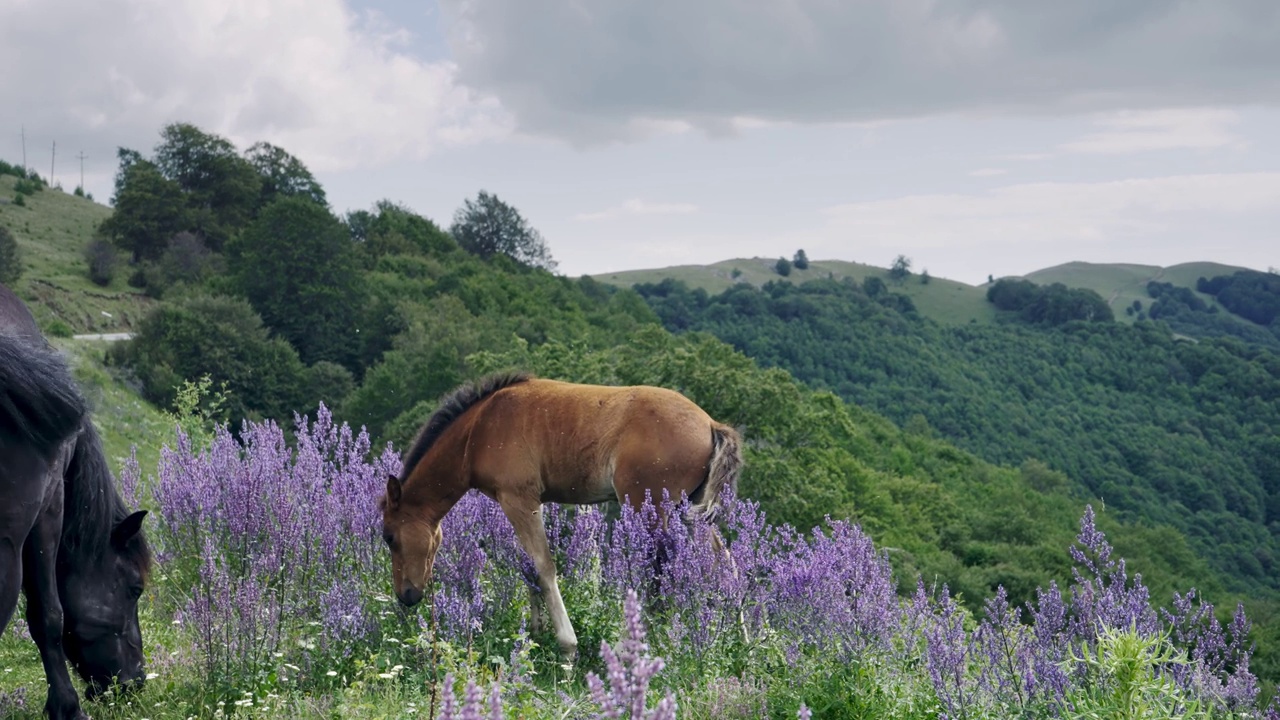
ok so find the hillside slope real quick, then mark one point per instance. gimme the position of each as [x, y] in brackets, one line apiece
[52, 230]
[1120, 284]
[1166, 431]
[946, 301]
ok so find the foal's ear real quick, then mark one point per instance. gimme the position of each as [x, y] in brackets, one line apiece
[393, 491]
[126, 529]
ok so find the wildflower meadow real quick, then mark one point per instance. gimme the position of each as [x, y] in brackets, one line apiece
[272, 598]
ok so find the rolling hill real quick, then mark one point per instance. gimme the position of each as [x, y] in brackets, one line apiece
[1121, 284]
[949, 302]
[946, 301]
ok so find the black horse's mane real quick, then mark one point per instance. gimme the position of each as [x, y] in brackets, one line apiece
[452, 406]
[92, 507]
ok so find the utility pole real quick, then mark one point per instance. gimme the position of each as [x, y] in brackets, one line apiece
[82, 156]
[53, 155]
[24, 149]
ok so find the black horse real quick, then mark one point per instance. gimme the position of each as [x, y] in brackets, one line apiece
[66, 537]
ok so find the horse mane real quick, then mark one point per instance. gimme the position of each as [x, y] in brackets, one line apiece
[92, 507]
[452, 406]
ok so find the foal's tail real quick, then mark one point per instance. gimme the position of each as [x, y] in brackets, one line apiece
[40, 404]
[722, 471]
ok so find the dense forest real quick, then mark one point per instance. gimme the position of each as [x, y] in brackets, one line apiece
[1170, 431]
[967, 452]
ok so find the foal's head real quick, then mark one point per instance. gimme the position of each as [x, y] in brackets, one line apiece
[413, 540]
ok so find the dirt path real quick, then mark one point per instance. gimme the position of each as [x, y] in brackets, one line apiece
[104, 337]
[1115, 294]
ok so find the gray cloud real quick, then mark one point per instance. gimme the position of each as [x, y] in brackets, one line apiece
[336, 87]
[606, 70]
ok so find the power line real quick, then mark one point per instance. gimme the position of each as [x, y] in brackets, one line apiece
[82, 156]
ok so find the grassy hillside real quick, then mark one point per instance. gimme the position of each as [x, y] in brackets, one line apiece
[1120, 284]
[946, 301]
[52, 230]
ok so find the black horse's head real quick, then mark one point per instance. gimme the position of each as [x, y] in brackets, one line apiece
[100, 609]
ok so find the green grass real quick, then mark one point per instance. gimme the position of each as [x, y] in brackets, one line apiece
[123, 418]
[946, 301]
[52, 230]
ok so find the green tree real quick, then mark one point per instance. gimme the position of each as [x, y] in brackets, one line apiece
[149, 209]
[801, 261]
[296, 265]
[282, 175]
[925, 277]
[394, 229]
[782, 267]
[873, 286]
[488, 226]
[900, 269]
[10, 258]
[222, 188]
[222, 338]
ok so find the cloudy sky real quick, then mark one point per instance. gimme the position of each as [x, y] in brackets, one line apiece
[975, 136]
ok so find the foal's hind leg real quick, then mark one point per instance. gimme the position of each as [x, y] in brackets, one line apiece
[526, 518]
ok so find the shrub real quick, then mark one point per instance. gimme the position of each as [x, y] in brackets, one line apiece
[782, 267]
[102, 258]
[28, 186]
[58, 328]
[10, 258]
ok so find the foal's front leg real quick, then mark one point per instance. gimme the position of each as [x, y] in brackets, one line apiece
[526, 517]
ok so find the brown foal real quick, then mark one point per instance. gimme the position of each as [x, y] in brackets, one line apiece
[524, 441]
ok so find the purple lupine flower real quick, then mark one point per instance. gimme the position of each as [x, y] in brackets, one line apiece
[1051, 629]
[582, 551]
[1002, 645]
[1101, 593]
[130, 476]
[630, 560]
[630, 670]
[448, 701]
[947, 656]
[495, 702]
[270, 536]
[473, 702]
[834, 591]
[13, 701]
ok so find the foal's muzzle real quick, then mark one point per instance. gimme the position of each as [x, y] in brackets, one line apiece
[410, 596]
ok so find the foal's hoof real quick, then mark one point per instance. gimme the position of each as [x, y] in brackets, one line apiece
[568, 654]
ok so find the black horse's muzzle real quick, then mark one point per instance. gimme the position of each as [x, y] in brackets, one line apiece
[127, 685]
